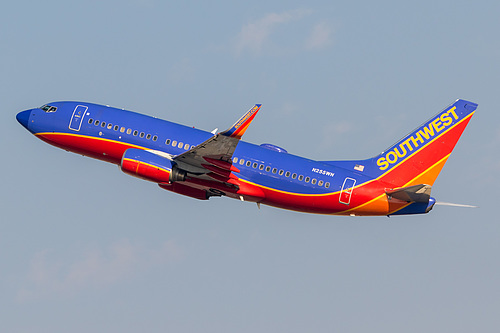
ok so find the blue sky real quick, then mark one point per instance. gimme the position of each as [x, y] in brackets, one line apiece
[84, 247]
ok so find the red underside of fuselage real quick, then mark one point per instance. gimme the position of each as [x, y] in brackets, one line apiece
[102, 149]
[112, 151]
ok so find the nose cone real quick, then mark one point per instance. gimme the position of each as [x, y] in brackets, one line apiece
[23, 118]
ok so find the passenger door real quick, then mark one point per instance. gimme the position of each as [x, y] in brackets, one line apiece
[77, 118]
[346, 192]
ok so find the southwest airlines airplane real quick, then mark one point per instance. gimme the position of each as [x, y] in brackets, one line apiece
[203, 164]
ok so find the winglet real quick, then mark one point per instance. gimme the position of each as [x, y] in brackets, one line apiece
[239, 128]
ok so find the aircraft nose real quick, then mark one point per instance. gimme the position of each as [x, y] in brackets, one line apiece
[23, 118]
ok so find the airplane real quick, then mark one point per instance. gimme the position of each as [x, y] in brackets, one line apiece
[201, 164]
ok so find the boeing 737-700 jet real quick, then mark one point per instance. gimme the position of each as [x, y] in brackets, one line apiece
[202, 164]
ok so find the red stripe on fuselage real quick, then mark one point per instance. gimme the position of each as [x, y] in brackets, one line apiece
[329, 203]
[112, 151]
[100, 148]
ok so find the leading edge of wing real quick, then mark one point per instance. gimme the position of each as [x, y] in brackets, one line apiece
[239, 127]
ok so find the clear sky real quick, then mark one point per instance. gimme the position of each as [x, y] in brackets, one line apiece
[86, 248]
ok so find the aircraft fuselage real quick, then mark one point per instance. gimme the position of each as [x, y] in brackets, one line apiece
[264, 174]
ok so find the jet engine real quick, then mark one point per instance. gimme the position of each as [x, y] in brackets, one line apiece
[149, 166]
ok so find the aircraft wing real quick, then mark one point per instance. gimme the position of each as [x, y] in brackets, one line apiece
[215, 154]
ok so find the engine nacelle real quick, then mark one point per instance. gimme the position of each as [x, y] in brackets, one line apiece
[149, 166]
[145, 165]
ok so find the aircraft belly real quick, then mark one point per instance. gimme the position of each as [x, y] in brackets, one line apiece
[107, 150]
[366, 199]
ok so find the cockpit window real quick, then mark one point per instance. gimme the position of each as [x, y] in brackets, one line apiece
[48, 108]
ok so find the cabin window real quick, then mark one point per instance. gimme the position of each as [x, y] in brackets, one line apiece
[261, 167]
[313, 181]
[281, 172]
[103, 124]
[129, 130]
[308, 179]
[186, 146]
[148, 136]
[268, 168]
[320, 183]
[254, 165]
[294, 176]
[242, 161]
[275, 170]
[110, 126]
[192, 146]
[91, 121]
[174, 143]
[167, 142]
[327, 185]
[136, 132]
[248, 163]
[116, 127]
[96, 122]
[235, 160]
[301, 177]
[141, 135]
[287, 174]
[155, 138]
[122, 129]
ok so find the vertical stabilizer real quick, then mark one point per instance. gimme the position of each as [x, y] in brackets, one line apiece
[419, 156]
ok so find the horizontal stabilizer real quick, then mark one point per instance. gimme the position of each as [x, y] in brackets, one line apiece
[415, 193]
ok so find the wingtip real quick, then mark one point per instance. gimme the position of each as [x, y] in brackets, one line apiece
[239, 128]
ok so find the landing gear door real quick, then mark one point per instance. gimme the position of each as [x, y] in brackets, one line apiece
[346, 192]
[77, 118]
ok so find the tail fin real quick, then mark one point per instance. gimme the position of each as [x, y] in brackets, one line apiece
[419, 156]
